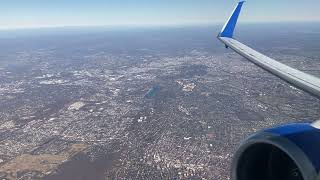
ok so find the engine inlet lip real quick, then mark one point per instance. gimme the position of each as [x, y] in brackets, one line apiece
[305, 166]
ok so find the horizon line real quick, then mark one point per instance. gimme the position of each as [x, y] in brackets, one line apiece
[36, 27]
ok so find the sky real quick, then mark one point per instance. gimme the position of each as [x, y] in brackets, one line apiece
[54, 13]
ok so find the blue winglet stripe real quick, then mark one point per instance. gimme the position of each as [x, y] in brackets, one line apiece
[228, 29]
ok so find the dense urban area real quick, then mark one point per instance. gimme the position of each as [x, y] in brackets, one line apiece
[168, 103]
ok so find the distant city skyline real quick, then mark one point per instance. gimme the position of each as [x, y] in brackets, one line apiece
[17, 14]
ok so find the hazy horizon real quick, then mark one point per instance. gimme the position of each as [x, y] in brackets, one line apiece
[112, 27]
[44, 13]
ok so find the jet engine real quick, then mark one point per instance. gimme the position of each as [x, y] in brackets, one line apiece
[289, 152]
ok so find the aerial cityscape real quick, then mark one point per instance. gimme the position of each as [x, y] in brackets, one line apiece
[143, 103]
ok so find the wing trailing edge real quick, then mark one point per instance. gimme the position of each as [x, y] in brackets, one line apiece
[299, 79]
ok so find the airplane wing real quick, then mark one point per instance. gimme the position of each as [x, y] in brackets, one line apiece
[288, 151]
[299, 79]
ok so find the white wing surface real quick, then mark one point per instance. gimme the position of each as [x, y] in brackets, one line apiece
[304, 81]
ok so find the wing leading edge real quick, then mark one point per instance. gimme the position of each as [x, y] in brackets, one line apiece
[299, 79]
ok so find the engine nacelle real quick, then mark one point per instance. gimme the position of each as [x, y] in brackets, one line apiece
[290, 152]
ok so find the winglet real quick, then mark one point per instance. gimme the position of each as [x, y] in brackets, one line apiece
[228, 28]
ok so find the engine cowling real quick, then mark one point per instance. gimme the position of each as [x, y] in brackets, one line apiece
[290, 152]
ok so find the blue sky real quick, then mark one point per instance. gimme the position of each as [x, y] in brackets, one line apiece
[52, 13]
